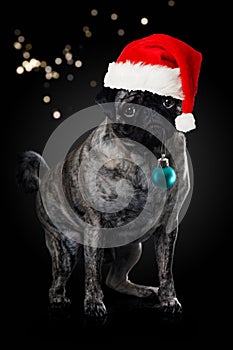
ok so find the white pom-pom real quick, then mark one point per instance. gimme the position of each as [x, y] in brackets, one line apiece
[185, 122]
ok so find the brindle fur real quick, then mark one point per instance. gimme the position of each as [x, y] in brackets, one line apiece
[64, 248]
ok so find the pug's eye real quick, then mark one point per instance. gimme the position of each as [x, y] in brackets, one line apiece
[168, 102]
[129, 111]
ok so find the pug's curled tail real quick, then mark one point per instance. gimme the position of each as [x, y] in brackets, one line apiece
[27, 174]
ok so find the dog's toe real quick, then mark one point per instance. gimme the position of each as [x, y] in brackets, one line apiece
[94, 308]
[171, 306]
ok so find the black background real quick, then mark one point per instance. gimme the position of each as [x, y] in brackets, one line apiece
[203, 251]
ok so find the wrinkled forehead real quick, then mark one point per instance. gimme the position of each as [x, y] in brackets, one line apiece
[133, 96]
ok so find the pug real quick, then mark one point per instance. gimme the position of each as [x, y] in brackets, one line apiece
[110, 221]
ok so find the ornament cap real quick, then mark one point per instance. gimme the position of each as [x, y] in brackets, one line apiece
[163, 162]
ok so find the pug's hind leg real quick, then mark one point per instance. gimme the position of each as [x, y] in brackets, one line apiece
[125, 259]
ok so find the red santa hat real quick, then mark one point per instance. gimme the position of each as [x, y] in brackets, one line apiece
[163, 65]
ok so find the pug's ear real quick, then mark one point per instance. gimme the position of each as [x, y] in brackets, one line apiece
[104, 99]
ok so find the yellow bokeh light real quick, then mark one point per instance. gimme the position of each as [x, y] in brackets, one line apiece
[78, 63]
[144, 21]
[171, 3]
[58, 60]
[86, 28]
[28, 67]
[56, 114]
[46, 99]
[19, 70]
[34, 63]
[114, 16]
[88, 34]
[28, 47]
[55, 75]
[26, 55]
[48, 76]
[21, 39]
[17, 45]
[68, 56]
[43, 64]
[25, 63]
[94, 12]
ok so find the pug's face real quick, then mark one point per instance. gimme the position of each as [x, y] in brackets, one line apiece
[141, 115]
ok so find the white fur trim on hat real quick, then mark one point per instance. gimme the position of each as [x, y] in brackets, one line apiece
[185, 122]
[157, 79]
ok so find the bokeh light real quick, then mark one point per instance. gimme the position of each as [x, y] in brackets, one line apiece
[19, 70]
[171, 3]
[88, 33]
[94, 12]
[17, 45]
[55, 75]
[68, 56]
[78, 63]
[26, 54]
[28, 47]
[17, 32]
[46, 99]
[58, 60]
[48, 76]
[48, 69]
[93, 83]
[43, 64]
[121, 32]
[21, 39]
[56, 114]
[70, 77]
[114, 16]
[144, 21]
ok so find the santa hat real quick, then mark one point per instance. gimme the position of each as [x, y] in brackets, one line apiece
[163, 65]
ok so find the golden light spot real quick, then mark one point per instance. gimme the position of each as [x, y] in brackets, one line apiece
[34, 63]
[88, 34]
[78, 63]
[17, 32]
[25, 63]
[21, 39]
[171, 3]
[26, 54]
[55, 75]
[28, 67]
[56, 114]
[48, 76]
[121, 32]
[46, 99]
[86, 28]
[19, 70]
[43, 64]
[144, 21]
[68, 56]
[94, 12]
[17, 45]
[58, 60]
[93, 83]
[28, 47]
[114, 16]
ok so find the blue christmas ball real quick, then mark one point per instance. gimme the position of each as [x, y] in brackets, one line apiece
[164, 177]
